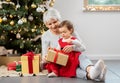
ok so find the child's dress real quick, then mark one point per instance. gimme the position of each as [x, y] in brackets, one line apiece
[70, 69]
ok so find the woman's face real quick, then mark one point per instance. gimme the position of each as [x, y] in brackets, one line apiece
[53, 24]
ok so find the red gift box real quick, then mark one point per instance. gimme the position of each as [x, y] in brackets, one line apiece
[12, 65]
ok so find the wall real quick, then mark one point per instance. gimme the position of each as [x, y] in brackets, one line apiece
[99, 30]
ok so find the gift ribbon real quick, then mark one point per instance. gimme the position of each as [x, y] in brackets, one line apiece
[56, 55]
[30, 58]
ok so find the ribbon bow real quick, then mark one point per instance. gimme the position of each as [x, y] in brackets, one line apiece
[30, 58]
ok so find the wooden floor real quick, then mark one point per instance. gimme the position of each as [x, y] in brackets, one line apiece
[113, 76]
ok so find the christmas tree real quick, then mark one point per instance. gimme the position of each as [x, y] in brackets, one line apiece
[21, 24]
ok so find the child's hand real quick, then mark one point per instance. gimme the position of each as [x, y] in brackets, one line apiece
[68, 48]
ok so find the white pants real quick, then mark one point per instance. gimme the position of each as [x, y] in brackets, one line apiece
[84, 63]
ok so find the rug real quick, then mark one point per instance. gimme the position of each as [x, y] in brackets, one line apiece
[5, 73]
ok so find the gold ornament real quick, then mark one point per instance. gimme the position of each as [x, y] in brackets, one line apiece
[2, 37]
[1, 6]
[24, 19]
[26, 7]
[12, 22]
[33, 30]
[42, 31]
[11, 16]
[52, 3]
[1, 20]
[53, 0]
[33, 5]
[8, 0]
[35, 27]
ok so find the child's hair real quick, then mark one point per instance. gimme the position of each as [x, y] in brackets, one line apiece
[68, 24]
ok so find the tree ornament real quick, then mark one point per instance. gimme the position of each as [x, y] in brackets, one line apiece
[18, 36]
[4, 18]
[1, 20]
[28, 39]
[1, 6]
[24, 19]
[8, 0]
[42, 31]
[52, 3]
[12, 22]
[33, 5]
[10, 39]
[39, 9]
[33, 30]
[11, 16]
[35, 27]
[20, 22]
[11, 31]
[30, 17]
[18, 5]
[26, 7]
[2, 37]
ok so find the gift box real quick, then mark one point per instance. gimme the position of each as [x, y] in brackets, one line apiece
[4, 60]
[13, 65]
[30, 63]
[57, 57]
[18, 67]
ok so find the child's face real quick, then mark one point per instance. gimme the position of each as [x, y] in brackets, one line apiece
[64, 32]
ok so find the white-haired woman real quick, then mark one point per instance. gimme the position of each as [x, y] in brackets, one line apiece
[86, 69]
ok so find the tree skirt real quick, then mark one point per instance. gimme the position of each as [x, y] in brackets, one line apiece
[5, 73]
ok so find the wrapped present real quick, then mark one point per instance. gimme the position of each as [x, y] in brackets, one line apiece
[4, 60]
[57, 57]
[18, 67]
[13, 65]
[30, 63]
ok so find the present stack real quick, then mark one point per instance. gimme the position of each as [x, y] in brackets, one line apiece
[15, 65]
[57, 57]
[30, 63]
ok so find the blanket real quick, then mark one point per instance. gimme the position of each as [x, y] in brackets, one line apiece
[5, 73]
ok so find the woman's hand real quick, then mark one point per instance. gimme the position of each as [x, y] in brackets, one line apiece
[68, 48]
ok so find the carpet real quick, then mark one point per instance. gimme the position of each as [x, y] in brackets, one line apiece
[5, 73]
